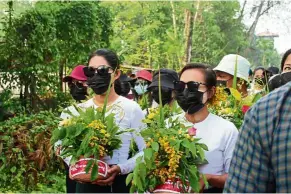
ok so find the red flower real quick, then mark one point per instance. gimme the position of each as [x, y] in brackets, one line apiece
[192, 131]
[245, 108]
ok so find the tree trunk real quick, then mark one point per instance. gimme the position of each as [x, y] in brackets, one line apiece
[33, 93]
[188, 36]
[189, 27]
[174, 18]
[241, 15]
[61, 71]
[251, 33]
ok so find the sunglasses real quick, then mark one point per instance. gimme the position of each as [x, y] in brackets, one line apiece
[192, 86]
[101, 70]
[79, 85]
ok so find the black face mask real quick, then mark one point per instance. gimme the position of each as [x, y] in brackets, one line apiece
[122, 88]
[166, 95]
[221, 83]
[190, 101]
[260, 81]
[78, 91]
[98, 83]
[286, 77]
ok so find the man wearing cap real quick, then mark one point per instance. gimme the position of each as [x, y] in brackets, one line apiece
[167, 78]
[77, 83]
[225, 71]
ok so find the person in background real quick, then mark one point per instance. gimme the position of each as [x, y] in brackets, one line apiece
[279, 80]
[250, 76]
[193, 92]
[261, 159]
[273, 70]
[259, 81]
[143, 80]
[286, 62]
[259, 72]
[78, 89]
[167, 79]
[77, 83]
[123, 87]
[225, 72]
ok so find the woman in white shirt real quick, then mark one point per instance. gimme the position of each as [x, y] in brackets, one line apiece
[195, 88]
[103, 66]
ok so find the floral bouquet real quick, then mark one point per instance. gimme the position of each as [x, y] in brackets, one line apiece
[171, 159]
[167, 110]
[229, 104]
[87, 138]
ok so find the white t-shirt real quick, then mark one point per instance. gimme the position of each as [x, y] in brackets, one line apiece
[128, 115]
[220, 136]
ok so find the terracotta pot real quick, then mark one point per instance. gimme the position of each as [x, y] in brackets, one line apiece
[78, 173]
[171, 187]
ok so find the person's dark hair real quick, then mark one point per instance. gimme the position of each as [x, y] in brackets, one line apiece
[110, 56]
[250, 72]
[274, 70]
[210, 76]
[287, 53]
[259, 68]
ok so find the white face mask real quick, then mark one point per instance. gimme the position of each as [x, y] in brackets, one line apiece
[140, 89]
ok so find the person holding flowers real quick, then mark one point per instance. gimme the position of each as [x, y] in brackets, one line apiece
[78, 89]
[193, 92]
[102, 72]
[225, 72]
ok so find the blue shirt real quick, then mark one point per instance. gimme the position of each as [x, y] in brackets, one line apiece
[262, 156]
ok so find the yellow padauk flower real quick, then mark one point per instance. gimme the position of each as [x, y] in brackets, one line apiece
[65, 122]
[97, 124]
[226, 111]
[219, 97]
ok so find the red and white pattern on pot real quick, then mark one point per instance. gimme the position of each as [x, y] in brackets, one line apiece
[172, 187]
[80, 166]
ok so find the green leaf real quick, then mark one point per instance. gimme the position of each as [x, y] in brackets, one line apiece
[155, 146]
[94, 173]
[89, 166]
[201, 152]
[13, 169]
[205, 181]
[148, 153]
[203, 146]
[129, 178]
[186, 143]
[257, 97]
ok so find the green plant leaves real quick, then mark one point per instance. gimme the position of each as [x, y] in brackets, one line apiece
[94, 173]
[129, 178]
[155, 146]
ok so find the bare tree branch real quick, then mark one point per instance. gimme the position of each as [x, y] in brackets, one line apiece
[242, 10]
[269, 6]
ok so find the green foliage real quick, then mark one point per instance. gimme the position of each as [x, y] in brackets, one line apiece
[145, 34]
[27, 159]
[268, 54]
[48, 40]
[171, 154]
[88, 134]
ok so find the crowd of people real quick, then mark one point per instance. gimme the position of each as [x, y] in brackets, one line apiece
[254, 158]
